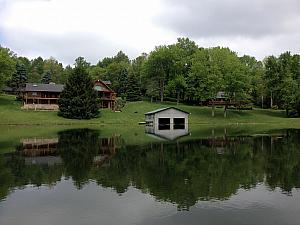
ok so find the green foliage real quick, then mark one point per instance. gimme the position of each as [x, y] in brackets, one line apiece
[160, 66]
[7, 65]
[79, 100]
[120, 103]
[289, 93]
[36, 70]
[46, 79]
[282, 80]
[132, 88]
[206, 71]
[214, 70]
[177, 86]
[55, 68]
[19, 77]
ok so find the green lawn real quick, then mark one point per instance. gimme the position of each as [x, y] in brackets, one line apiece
[16, 124]
[133, 112]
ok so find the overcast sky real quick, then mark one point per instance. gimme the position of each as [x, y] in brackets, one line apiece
[66, 29]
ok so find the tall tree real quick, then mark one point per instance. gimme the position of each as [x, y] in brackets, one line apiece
[255, 71]
[177, 86]
[46, 79]
[137, 66]
[289, 89]
[19, 77]
[7, 65]
[272, 77]
[205, 78]
[36, 70]
[55, 68]
[79, 100]
[160, 67]
[132, 88]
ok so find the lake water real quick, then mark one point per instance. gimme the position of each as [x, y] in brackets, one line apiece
[80, 177]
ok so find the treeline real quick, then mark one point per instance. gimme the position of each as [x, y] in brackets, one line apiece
[181, 72]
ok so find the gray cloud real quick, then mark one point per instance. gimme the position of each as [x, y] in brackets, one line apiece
[64, 48]
[231, 18]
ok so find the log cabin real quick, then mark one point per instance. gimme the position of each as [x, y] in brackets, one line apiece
[41, 96]
[106, 95]
[45, 96]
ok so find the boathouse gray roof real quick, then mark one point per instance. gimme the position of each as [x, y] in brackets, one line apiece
[44, 87]
[163, 109]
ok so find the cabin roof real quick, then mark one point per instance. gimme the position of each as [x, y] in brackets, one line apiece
[107, 82]
[103, 86]
[44, 87]
[163, 109]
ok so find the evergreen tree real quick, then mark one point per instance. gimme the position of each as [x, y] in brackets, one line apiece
[122, 81]
[19, 77]
[132, 89]
[79, 100]
[46, 79]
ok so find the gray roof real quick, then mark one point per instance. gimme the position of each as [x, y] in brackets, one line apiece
[107, 82]
[163, 109]
[44, 87]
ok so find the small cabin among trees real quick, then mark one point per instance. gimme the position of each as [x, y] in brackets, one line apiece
[41, 96]
[106, 95]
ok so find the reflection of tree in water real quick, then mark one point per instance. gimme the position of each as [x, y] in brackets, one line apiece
[14, 173]
[78, 148]
[184, 173]
[282, 161]
[6, 178]
[178, 172]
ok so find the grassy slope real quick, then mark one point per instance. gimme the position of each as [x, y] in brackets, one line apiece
[11, 114]
[16, 124]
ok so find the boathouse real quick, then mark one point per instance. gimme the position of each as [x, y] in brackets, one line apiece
[169, 118]
[168, 123]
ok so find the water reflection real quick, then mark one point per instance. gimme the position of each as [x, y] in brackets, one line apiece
[178, 172]
[167, 131]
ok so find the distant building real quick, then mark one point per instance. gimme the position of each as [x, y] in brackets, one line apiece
[169, 123]
[45, 96]
[41, 96]
[106, 95]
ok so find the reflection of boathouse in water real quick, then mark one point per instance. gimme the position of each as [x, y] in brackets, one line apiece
[168, 123]
[42, 151]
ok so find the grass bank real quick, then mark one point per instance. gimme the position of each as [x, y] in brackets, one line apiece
[133, 112]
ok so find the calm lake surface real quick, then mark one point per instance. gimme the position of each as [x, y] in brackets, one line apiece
[80, 177]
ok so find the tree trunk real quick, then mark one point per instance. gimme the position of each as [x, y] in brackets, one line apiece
[262, 101]
[177, 98]
[213, 110]
[225, 111]
[271, 100]
[161, 90]
[287, 112]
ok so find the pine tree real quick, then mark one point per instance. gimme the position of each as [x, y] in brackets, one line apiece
[79, 99]
[46, 79]
[132, 89]
[122, 81]
[19, 77]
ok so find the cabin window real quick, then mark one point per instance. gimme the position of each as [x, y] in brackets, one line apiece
[179, 123]
[163, 123]
[34, 94]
